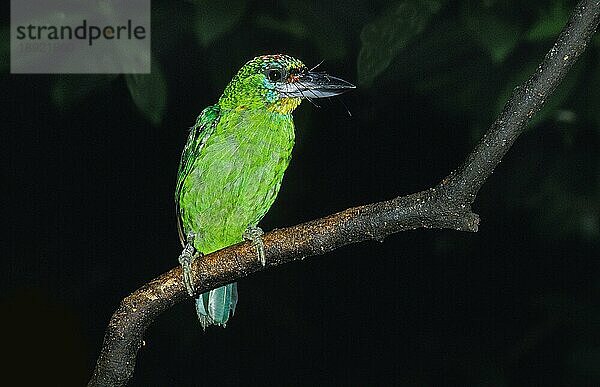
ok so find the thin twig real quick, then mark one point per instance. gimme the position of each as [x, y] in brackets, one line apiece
[448, 205]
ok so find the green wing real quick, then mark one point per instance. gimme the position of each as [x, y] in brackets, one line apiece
[199, 133]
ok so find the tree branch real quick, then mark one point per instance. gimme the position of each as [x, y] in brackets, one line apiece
[448, 205]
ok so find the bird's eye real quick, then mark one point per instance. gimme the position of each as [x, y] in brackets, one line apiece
[274, 75]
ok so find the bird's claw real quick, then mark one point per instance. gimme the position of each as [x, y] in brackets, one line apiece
[254, 234]
[187, 256]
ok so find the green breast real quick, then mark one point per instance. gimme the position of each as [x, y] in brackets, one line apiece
[236, 177]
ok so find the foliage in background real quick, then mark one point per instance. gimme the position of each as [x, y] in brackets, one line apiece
[466, 56]
[463, 57]
[383, 39]
[469, 54]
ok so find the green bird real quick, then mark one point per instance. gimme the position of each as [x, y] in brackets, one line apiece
[233, 163]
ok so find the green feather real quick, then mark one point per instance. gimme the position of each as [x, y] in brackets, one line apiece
[199, 133]
[232, 167]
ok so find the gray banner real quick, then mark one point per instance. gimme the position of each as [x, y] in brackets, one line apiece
[80, 36]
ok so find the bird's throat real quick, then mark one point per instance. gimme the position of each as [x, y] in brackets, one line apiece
[285, 105]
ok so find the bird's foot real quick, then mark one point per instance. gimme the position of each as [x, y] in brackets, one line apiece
[187, 256]
[254, 234]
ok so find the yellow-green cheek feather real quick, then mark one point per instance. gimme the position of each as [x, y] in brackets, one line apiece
[284, 105]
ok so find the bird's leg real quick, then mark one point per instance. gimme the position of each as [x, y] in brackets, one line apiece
[187, 256]
[254, 234]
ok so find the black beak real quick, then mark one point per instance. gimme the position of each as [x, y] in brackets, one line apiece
[314, 85]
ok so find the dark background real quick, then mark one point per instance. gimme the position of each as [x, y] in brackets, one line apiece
[88, 175]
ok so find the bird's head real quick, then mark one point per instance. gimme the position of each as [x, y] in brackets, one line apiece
[278, 83]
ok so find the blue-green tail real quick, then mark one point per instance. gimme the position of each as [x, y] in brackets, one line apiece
[213, 307]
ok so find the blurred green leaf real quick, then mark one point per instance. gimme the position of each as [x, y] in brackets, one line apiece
[331, 45]
[215, 18]
[149, 93]
[549, 23]
[383, 39]
[291, 27]
[69, 89]
[497, 36]
[328, 34]
[436, 52]
[436, 66]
